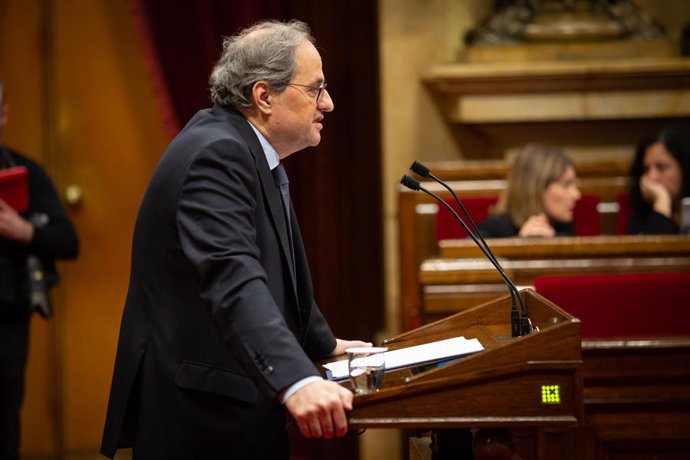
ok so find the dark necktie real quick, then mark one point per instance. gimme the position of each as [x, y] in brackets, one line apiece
[283, 184]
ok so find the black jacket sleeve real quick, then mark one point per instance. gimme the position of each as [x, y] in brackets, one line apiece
[54, 235]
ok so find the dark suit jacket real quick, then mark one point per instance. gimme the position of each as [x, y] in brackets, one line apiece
[213, 327]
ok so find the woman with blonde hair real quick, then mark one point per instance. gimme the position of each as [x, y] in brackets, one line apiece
[539, 198]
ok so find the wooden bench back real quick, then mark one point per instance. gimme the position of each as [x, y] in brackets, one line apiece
[463, 278]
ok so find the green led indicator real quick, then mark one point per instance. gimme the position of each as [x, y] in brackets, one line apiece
[551, 394]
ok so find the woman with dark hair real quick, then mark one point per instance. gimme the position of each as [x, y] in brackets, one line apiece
[540, 196]
[660, 178]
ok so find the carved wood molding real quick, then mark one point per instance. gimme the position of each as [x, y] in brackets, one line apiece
[452, 80]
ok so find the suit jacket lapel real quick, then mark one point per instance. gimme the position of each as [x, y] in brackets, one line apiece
[271, 192]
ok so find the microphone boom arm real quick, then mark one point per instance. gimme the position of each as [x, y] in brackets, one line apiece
[520, 324]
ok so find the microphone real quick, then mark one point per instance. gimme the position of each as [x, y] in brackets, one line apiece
[525, 322]
[519, 324]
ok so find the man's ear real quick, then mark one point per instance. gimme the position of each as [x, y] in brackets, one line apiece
[262, 97]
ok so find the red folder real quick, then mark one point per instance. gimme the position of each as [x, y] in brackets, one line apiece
[14, 187]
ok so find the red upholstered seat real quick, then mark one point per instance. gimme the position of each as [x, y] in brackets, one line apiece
[623, 305]
[624, 213]
[586, 216]
[448, 228]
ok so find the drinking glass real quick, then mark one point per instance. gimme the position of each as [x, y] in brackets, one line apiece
[366, 367]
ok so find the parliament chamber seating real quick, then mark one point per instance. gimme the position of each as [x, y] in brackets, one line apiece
[447, 228]
[423, 223]
[623, 213]
[636, 361]
[461, 277]
[630, 293]
[623, 305]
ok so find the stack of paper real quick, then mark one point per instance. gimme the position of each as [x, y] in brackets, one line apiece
[427, 352]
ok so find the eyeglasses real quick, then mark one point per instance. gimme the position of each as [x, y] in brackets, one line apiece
[314, 91]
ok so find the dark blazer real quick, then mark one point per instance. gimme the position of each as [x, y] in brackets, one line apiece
[214, 326]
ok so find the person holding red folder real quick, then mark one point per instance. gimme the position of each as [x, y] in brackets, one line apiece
[30, 240]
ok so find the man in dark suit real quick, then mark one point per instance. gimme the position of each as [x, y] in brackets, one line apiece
[220, 328]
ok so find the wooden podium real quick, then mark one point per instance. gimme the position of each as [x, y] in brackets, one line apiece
[528, 381]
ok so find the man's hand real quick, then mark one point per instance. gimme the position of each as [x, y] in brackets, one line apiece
[341, 345]
[13, 226]
[319, 409]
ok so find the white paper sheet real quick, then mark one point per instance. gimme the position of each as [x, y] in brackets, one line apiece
[427, 352]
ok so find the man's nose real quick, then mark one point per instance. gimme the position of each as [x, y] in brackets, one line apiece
[326, 102]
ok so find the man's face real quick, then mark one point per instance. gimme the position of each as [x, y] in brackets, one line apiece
[296, 114]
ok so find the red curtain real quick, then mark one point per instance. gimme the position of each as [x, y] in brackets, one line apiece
[182, 41]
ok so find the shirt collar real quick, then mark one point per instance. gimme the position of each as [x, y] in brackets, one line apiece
[271, 155]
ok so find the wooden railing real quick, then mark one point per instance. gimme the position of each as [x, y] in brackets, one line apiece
[462, 277]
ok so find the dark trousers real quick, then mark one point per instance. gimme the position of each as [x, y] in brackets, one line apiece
[14, 346]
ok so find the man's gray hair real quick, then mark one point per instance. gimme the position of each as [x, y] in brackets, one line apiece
[263, 52]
